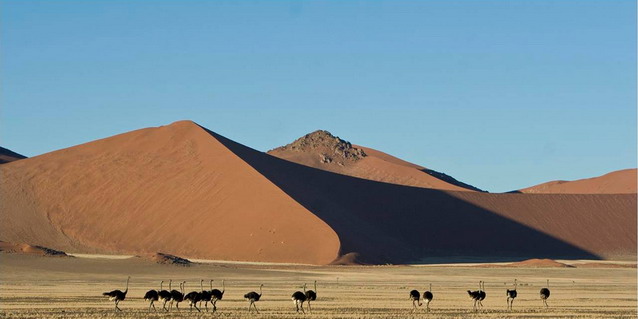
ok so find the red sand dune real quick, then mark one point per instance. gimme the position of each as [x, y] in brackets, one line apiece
[13, 248]
[539, 263]
[173, 188]
[618, 182]
[322, 150]
[394, 223]
[7, 156]
[187, 191]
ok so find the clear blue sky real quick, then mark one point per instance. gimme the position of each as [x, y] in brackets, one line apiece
[499, 94]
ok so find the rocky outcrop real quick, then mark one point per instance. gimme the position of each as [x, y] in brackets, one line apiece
[329, 148]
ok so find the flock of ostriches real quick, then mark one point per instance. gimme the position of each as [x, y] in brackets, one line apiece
[212, 296]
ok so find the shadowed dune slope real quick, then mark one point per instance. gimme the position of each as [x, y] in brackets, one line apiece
[618, 182]
[173, 189]
[394, 223]
[7, 155]
[322, 150]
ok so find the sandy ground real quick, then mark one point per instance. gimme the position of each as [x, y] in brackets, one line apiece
[57, 287]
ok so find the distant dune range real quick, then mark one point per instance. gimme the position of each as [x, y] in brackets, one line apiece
[618, 182]
[186, 191]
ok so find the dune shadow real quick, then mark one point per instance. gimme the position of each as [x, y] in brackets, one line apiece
[388, 223]
[450, 180]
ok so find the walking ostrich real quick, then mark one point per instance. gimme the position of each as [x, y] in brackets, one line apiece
[206, 296]
[477, 296]
[311, 295]
[193, 298]
[511, 294]
[152, 296]
[474, 295]
[177, 296]
[217, 295]
[253, 297]
[165, 295]
[545, 294]
[415, 296]
[482, 293]
[117, 295]
[298, 298]
[427, 297]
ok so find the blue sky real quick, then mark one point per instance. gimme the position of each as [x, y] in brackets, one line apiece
[499, 94]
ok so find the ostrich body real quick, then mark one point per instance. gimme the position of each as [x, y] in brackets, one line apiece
[206, 296]
[415, 296]
[545, 294]
[253, 297]
[217, 295]
[117, 295]
[177, 296]
[427, 297]
[152, 296]
[193, 298]
[298, 298]
[474, 295]
[311, 295]
[511, 294]
[165, 295]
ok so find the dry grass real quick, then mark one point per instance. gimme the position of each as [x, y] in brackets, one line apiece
[44, 287]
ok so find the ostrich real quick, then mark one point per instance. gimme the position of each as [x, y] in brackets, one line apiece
[252, 297]
[477, 296]
[152, 296]
[311, 295]
[117, 295]
[545, 294]
[165, 295]
[206, 295]
[427, 297]
[511, 294]
[415, 296]
[193, 298]
[177, 296]
[217, 295]
[482, 293]
[298, 298]
[474, 295]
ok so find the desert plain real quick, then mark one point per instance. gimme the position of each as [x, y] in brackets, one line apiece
[63, 287]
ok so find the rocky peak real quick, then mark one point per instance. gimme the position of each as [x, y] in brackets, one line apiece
[329, 148]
